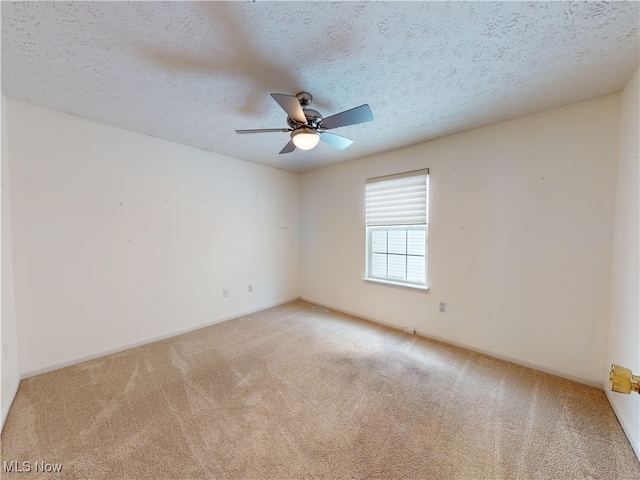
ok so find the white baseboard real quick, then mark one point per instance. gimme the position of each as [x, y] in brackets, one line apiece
[12, 395]
[622, 420]
[121, 348]
[568, 376]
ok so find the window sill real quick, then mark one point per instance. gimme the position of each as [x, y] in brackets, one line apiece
[422, 288]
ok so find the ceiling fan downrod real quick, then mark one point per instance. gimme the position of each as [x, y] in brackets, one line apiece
[313, 116]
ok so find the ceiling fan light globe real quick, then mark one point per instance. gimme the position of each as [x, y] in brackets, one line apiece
[305, 139]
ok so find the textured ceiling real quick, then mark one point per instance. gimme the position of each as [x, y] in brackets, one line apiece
[193, 72]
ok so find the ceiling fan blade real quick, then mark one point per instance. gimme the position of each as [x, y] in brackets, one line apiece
[288, 148]
[264, 130]
[359, 114]
[336, 140]
[291, 105]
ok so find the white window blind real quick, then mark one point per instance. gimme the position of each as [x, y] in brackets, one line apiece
[397, 199]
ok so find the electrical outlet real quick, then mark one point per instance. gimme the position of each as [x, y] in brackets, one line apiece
[225, 293]
[5, 352]
[250, 288]
[443, 307]
[410, 330]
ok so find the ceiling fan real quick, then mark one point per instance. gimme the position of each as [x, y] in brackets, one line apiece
[308, 127]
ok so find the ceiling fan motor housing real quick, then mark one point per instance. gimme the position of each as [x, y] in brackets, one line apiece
[313, 119]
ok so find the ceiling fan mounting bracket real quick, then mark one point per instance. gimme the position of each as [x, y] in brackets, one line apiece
[304, 98]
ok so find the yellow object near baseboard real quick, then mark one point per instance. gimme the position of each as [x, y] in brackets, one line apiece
[623, 381]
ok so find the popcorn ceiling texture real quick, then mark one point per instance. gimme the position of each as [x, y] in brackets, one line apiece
[193, 72]
[291, 393]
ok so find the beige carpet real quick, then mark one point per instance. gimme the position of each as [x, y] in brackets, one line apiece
[293, 393]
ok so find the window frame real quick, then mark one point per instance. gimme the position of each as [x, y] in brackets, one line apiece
[369, 229]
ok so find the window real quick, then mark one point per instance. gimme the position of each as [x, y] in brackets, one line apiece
[396, 217]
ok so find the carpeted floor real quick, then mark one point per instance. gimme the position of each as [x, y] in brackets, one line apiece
[293, 393]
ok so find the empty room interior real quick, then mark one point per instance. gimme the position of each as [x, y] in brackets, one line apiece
[285, 240]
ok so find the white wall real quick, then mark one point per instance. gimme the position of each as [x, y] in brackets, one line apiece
[624, 322]
[120, 238]
[520, 242]
[10, 378]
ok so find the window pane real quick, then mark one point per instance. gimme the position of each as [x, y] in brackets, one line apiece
[416, 269]
[398, 241]
[397, 266]
[416, 242]
[379, 239]
[379, 265]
